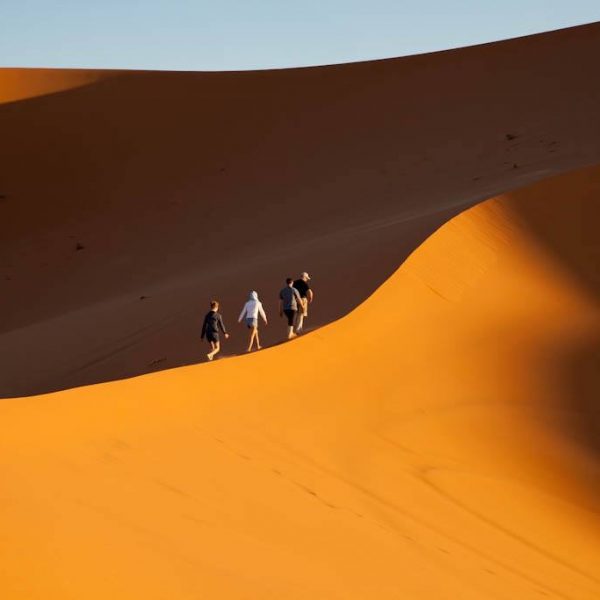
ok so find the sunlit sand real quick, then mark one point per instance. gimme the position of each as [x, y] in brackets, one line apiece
[438, 440]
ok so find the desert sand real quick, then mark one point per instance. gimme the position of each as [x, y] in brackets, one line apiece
[23, 84]
[447, 452]
[179, 187]
[439, 441]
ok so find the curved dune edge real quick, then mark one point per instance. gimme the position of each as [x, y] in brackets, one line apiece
[425, 446]
[127, 204]
[22, 84]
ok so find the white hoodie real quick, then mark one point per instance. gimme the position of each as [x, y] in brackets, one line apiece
[252, 308]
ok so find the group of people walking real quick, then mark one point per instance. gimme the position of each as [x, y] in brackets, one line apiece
[294, 299]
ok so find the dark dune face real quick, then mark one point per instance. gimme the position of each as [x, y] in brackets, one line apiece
[448, 451]
[128, 203]
[563, 216]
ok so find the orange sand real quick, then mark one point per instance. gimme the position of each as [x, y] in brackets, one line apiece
[185, 186]
[438, 442]
[21, 84]
[442, 446]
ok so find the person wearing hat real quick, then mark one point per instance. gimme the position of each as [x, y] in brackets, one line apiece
[306, 297]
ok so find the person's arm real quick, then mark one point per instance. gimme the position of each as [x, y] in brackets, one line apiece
[222, 326]
[298, 296]
[243, 313]
[310, 295]
[261, 310]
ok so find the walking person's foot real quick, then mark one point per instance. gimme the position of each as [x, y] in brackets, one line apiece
[209, 356]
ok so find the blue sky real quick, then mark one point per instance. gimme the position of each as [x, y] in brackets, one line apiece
[258, 34]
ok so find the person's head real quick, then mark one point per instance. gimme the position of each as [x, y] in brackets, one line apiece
[214, 305]
[289, 281]
[253, 296]
[305, 276]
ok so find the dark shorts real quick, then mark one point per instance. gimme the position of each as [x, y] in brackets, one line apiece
[251, 323]
[212, 337]
[291, 316]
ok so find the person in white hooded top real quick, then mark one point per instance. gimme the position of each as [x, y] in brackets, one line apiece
[250, 313]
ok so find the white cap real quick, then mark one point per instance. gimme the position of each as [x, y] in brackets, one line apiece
[305, 275]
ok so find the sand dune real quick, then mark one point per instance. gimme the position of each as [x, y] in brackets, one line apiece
[22, 84]
[179, 187]
[439, 441]
[435, 443]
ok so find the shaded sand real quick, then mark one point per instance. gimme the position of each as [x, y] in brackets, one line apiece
[126, 204]
[22, 84]
[440, 446]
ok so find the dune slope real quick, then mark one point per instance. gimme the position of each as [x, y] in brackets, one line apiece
[431, 444]
[128, 202]
[23, 84]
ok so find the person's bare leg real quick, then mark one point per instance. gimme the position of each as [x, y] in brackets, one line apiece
[291, 333]
[257, 340]
[216, 346]
[212, 350]
[299, 321]
[253, 335]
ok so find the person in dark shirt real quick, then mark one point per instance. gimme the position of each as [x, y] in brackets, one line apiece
[289, 302]
[213, 322]
[306, 297]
